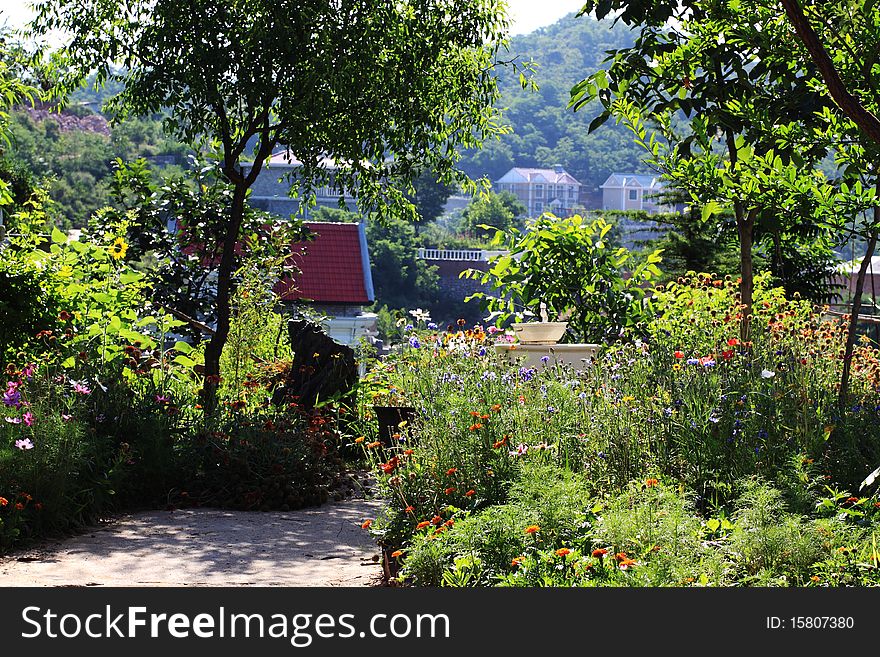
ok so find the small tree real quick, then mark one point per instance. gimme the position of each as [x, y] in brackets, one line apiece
[384, 90]
[567, 266]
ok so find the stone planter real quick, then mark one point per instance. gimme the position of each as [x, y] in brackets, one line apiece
[531, 355]
[389, 419]
[539, 332]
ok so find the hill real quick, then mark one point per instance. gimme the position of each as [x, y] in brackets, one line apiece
[545, 131]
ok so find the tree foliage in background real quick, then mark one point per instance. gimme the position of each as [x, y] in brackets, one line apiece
[491, 212]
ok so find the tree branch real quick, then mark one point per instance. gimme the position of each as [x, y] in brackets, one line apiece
[847, 102]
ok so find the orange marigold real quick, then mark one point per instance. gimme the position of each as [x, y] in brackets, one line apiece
[561, 552]
[450, 490]
[422, 524]
[651, 482]
[451, 471]
[470, 493]
[436, 520]
[600, 552]
[531, 529]
[3, 501]
[376, 443]
[396, 553]
[366, 523]
[409, 509]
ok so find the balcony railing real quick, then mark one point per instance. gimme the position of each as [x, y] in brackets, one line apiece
[468, 255]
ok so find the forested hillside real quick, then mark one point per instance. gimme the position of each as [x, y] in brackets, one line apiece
[545, 132]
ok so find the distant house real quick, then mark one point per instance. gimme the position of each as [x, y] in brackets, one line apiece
[630, 191]
[542, 190]
[270, 191]
[335, 280]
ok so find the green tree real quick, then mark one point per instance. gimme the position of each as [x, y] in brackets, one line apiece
[325, 80]
[747, 112]
[401, 280]
[497, 211]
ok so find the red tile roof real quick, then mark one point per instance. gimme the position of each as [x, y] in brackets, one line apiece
[334, 267]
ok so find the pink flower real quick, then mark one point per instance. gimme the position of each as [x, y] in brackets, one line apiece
[24, 444]
[81, 388]
[28, 418]
[66, 418]
[28, 370]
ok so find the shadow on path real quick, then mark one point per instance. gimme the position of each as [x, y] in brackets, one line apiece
[323, 546]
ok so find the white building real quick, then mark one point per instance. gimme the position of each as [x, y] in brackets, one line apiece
[630, 191]
[542, 190]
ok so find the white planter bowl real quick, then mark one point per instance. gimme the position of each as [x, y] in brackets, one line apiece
[539, 332]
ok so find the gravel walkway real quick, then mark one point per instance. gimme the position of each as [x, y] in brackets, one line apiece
[323, 546]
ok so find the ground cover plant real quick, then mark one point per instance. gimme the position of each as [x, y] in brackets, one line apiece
[688, 456]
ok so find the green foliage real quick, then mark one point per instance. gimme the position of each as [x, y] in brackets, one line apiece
[493, 212]
[400, 278]
[566, 266]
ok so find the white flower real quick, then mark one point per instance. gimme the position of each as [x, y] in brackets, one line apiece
[767, 374]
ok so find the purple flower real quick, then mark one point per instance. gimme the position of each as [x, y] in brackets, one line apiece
[709, 363]
[432, 326]
[14, 420]
[12, 397]
[414, 342]
[28, 418]
[527, 373]
[693, 361]
[545, 359]
[482, 351]
[24, 444]
[162, 399]
[408, 327]
[28, 370]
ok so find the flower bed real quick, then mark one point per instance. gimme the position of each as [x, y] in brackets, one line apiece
[733, 439]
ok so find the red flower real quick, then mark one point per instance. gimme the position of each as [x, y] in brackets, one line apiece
[408, 452]
[679, 354]
[3, 501]
[19, 506]
[422, 524]
[451, 471]
[651, 482]
[409, 509]
[727, 355]
[450, 490]
[732, 342]
[436, 520]
[366, 524]
[470, 493]
[449, 523]
[599, 553]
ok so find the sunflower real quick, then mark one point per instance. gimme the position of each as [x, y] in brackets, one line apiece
[118, 249]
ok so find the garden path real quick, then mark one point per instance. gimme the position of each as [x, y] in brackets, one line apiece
[322, 546]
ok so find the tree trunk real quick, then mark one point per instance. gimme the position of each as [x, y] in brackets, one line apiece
[745, 224]
[224, 288]
[856, 309]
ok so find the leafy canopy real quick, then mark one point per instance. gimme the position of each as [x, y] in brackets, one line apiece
[381, 89]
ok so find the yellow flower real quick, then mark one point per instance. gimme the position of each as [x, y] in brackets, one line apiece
[118, 249]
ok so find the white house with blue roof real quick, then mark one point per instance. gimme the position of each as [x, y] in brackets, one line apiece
[631, 191]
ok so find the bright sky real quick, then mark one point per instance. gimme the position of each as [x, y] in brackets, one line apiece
[526, 15]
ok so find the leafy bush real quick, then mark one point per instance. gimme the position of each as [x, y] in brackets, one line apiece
[566, 265]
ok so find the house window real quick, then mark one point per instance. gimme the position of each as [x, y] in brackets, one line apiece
[570, 192]
[539, 207]
[539, 191]
[633, 195]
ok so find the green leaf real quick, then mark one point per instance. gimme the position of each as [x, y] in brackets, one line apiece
[180, 359]
[183, 347]
[713, 524]
[58, 237]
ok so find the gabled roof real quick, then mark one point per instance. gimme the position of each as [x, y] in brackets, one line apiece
[632, 180]
[334, 266]
[526, 174]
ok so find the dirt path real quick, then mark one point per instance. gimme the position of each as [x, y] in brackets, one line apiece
[323, 546]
